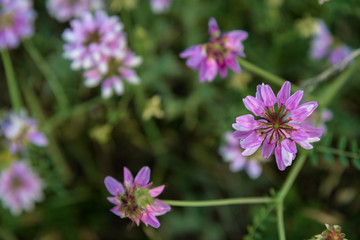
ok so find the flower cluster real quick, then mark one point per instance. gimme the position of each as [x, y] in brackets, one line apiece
[65, 10]
[135, 200]
[97, 44]
[160, 6]
[332, 232]
[231, 152]
[321, 45]
[20, 188]
[18, 130]
[16, 22]
[279, 124]
[218, 54]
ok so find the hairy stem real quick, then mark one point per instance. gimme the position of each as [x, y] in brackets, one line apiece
[11, 81]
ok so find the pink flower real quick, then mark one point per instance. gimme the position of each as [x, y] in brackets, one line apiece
[218, 54]
[93, 39]
[20, 188]
[278, 126]
[111, 79]
[160, 6]
[65, 10]
[19, 130]
[134, 198]
[16, 22]
[321, 41]
[338, 54]
[233, 153]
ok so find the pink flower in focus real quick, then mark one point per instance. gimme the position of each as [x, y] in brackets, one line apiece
[65, 10]
[134, 199]
[321, 41]
[19, 130]
[218, 54]
[338, 54]
[111, 80]
[16, 22]
[278, 126]
[160, 6]
[93, 39]
[233, 153]
[20, 188]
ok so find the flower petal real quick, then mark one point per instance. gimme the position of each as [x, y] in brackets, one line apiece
[113, 186]
[143, 176]
[284, 93]
[293, 101]
[128, 178]
[156, 191]
[254, 105]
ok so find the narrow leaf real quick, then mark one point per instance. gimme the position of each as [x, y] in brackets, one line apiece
[354, 149]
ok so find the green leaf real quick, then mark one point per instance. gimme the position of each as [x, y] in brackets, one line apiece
[341, 146]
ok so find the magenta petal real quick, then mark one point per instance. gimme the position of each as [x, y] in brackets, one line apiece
[252, 140]
[268, 148]
[299, 135]
[289, 146]
[268, 95]
[284, 93]
[278, 157]
[254, 105]
[116, 211]
[113, 200]
[250, 151]
[245, 123]
[156, 191]
[293, 101]
[38, 138]
[258, 93]
[113, 186]
[241, 134]
[150, 219]
[159, 208]
[128, 178]
[208, 70]
[143, 176]
[213, 27]
[303, 111]
[233, 64]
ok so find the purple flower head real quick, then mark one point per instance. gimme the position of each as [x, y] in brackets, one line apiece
[134, 198]
[218, 54]
[93, 39]
[232, 153]
[278, 126]
[160, 6]
[321, 41]
[19, 130]
[111, 79]
[338, 54]
[65, 10]
[16, 22]
[20, 188]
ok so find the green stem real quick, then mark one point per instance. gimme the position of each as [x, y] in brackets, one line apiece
[220, 202]
[48, 73]
[263, 73]
[292, 176]
[12, 84]
[280, 220]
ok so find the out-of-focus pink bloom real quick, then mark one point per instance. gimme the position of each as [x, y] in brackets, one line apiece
[111, 80]
[19, 130]
[218, 54]
[232, 153]
[321, 41]
[279, 124]
[93, 39]
[135, 200]
[20, 188]
[65, 10]
[160, 6]
[16, 22]
[338, 54]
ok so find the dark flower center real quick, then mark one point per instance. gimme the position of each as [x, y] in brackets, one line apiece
[6, 20]
[16, 183]
[93, 37]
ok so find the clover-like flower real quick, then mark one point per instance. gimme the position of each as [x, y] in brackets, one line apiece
[20, 188]
[232, 153]
[321, 40]
[65, 10]
[16, 22]
[93, 39]
[338, 54]
[278, 125]
[218, 54]
[18, 130]
[135, 200]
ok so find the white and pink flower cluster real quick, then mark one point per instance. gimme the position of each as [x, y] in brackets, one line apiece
[278, 126]
[322, 45]
[97, 44]
[135, 200]
[20, 187]
[16, 22]
[218, 54]
[65, 10]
